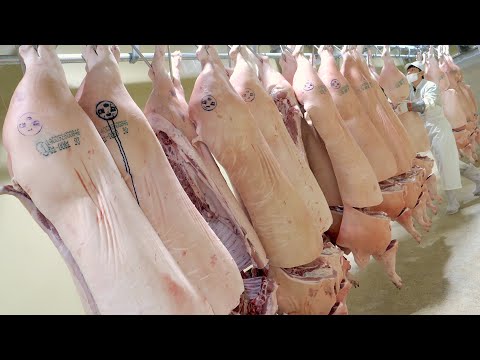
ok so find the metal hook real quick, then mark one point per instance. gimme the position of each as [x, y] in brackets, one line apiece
[134, 56]
[253, 51]
[378, 49]
[134, 47]
[35, 47]
[229, 58]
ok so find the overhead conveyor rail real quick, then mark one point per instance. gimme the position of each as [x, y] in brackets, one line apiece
[134, 56]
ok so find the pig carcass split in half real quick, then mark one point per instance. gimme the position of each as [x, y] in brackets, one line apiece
[74, 190]
[396, 87]
[202, 180]
[342, 149]
[282, 219]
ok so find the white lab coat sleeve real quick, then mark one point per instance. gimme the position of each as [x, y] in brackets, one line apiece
[431, 95]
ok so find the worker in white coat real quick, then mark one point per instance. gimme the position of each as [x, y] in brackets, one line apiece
[425, 100]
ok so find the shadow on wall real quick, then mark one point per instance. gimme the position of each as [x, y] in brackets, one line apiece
[422, 272]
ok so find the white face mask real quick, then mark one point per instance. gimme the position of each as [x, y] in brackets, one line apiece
[411, 78]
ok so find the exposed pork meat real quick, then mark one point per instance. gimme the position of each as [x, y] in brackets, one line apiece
[82, 193]
[417, 132]
[84, 292]
[355, 116]
[278, 213]
[364, 87]
[368, 233]
[306, 291]
[386, 108]
[194, 181]
[269, 121]
[259, 297]
[309, 270]
[356, 179]
[146, 170]
[392, 80]
[406, 221]
[424, 162]
[320, 164]
[393, 201]
[283, 95]
[196, 168]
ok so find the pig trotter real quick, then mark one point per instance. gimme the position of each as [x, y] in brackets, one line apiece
[388, 259]
[352, 281]
[418, 215]
[405, 220]
[430, 203]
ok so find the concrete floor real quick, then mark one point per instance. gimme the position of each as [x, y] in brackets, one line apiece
[440, 276]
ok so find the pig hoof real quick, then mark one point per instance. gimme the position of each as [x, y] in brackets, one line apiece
[352, 281]
[397, 281]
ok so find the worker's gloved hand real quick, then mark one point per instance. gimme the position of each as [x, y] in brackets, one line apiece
[417, 106]
[401, 108]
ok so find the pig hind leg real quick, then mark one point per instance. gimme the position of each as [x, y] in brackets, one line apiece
[406, 221]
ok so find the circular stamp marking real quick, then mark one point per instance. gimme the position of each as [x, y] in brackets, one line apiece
[248, 95]
[335, 84]
[208, 103]
[106, 110]
[28, 125]
[308, 86]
